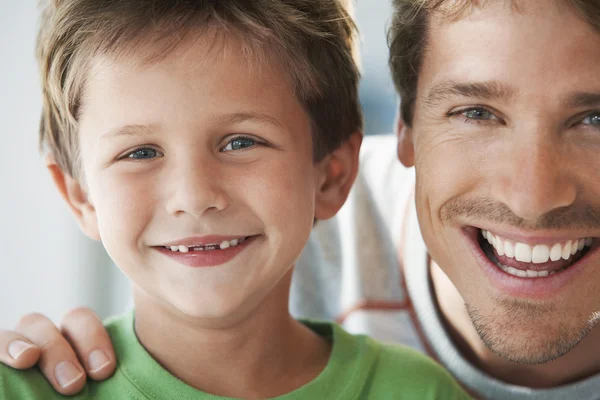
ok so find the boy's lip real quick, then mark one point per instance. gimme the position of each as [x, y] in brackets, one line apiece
[207, 258]
[204, 240]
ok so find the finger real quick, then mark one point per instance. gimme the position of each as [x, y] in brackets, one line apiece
[86, 333]
[17, 351]
[58, 361]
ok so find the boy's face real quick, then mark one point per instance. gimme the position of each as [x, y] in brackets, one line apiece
[199, 149]
[506, 138]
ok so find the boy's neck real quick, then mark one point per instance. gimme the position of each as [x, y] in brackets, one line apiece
[265, 355]
[579, 363]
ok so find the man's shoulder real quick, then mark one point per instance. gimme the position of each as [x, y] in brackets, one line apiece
[411, 373]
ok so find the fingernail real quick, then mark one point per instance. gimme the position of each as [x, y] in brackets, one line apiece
[97, 360]
[18, 347]
[67, 374]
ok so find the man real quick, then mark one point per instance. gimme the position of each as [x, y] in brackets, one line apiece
[500, 116]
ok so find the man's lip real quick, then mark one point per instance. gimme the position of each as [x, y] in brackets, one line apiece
[533, 238]
[204, 240]
[532, 288]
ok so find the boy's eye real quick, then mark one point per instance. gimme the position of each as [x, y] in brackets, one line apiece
[143, 154]
[239, 143]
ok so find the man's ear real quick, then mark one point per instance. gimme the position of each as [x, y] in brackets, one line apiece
[76, 197]
[339, 170]
[406, 148]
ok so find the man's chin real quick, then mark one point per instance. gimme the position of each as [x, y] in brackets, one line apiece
[537, 338]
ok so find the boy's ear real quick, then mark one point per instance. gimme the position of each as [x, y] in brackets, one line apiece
[74, 194]
[406, 148]
[339, 172]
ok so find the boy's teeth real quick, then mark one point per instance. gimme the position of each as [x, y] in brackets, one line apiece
[223, 245]
[537, 254]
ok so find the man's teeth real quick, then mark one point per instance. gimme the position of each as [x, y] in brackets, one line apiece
[223, 245]
[537, 254]
[525, 274]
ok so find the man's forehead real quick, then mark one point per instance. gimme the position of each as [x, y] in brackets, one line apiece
[495, 53]
[448, 11]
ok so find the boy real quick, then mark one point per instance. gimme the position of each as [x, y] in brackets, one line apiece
[199, 141]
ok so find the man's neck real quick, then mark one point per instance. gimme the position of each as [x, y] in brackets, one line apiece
[264, 355]
[579, 363]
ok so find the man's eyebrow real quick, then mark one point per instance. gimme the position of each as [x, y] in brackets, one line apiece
[490, 90]
[129, 130]
[583, 99]
[239, 117]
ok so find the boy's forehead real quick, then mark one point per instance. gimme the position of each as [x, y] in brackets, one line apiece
[223, 59]
[196, 51]
[194, 85]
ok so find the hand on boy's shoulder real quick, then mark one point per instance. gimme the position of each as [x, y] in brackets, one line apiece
[30, 385]
[405, 371]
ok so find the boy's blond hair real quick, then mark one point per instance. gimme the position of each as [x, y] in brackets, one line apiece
[311, 40]
[407, 37]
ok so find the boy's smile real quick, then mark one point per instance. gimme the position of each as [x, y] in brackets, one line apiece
[208, 251]
[199, 160]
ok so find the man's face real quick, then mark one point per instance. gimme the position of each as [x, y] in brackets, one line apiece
[506, 136]
[200, 176]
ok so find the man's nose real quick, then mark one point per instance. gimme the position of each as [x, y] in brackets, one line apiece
[196, 188]
[535, 179]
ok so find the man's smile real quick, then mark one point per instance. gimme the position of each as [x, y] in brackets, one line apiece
[530, 267]
[531, 261]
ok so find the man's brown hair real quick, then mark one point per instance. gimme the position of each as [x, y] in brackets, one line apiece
[311, 40]
[407, 38]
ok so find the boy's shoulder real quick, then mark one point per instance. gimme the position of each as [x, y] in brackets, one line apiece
[413, 374]
[29, 385]
[32, 385]
[393, 371]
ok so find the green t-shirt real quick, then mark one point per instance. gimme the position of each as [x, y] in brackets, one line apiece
[359, 368]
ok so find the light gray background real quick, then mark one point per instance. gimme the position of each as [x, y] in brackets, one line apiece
[46, 264]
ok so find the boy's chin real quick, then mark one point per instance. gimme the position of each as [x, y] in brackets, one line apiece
[210, 312]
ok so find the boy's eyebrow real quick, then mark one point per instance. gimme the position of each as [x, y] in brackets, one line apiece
[239, 117]
[488, 90]
[234, 118]
[129, 130]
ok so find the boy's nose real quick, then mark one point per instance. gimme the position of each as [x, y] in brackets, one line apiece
[535, 180]
[197, 188]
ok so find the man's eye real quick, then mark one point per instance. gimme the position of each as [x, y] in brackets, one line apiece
[592, 119]
[144, 153]
[239, 143]
[475, 115]
[479, 114]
